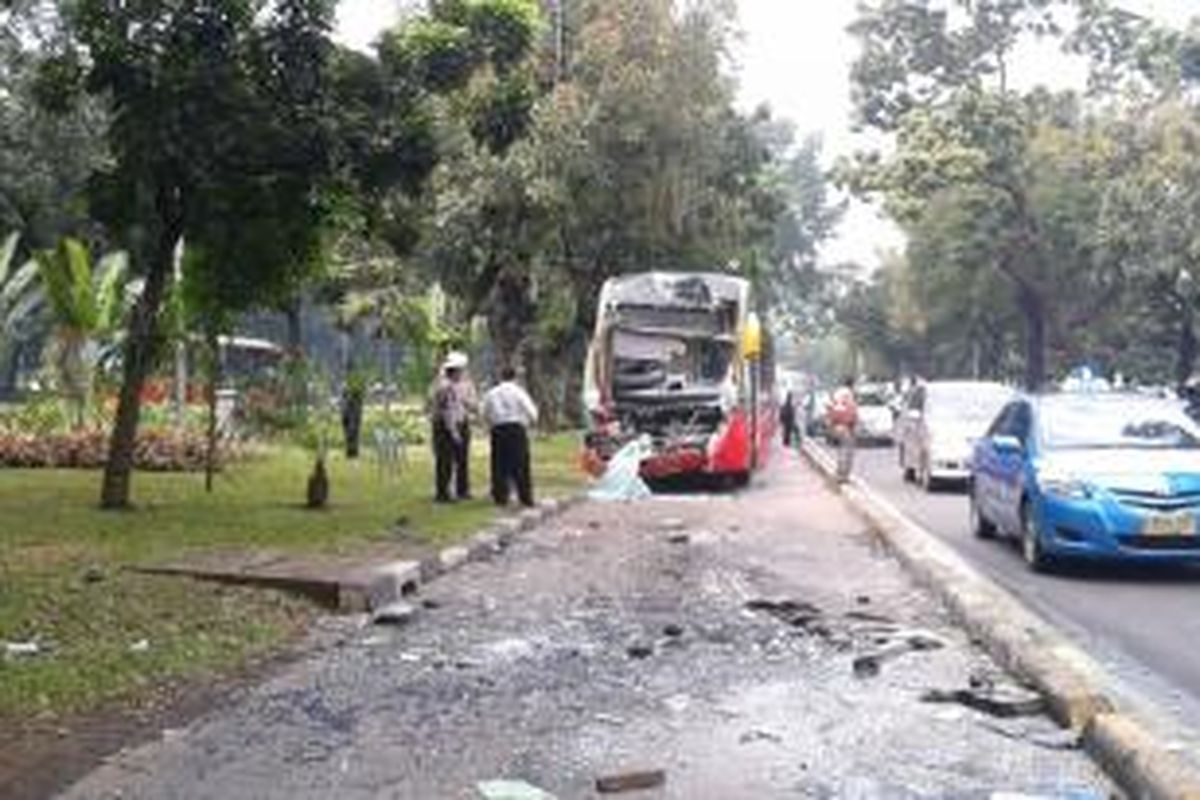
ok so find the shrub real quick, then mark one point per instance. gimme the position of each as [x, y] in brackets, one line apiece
[156, 450]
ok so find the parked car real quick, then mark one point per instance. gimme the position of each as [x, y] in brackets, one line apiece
[938, 425]
[1091, 476]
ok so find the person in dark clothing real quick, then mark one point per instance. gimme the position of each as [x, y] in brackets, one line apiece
[451, 402]
[510, 412]
[787, 420]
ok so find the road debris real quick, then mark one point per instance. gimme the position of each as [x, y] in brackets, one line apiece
[672, 631]
[609, 719]
[760, 736]
[672, 524]
[678, 538]
[511, 790]
[622, 480]
[398, 613]
[93, 574]
[996, 701]
[22, 649]
[631, 781]
[1058, 739]
[796, 613]
[639, 650]
[140, 646]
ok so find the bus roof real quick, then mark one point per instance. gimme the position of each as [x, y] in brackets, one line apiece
[675, 288]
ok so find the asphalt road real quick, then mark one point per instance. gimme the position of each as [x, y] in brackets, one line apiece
[711, 637]
[1144, 623]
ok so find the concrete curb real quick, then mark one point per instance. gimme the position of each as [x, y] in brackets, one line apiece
[391, 582]
[1117, 731]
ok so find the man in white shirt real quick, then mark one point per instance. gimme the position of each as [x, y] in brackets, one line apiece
[510, 412]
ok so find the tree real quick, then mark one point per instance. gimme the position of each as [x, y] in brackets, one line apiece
[86, 304]
[962, 134]
[232, 129]
[1149, 224]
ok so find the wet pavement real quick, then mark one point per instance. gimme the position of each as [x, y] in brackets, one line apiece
[756, 645]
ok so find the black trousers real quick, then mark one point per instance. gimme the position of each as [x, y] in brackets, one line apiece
[510, 464]
[452, 460]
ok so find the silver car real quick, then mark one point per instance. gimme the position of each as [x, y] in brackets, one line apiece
[938, 426]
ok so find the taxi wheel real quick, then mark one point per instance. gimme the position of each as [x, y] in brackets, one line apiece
[1032, 550]
[981, 526]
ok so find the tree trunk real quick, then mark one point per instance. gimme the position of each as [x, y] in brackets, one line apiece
[1185, 354]
[509, 318]
[352, 418]
[214, 382]
[573, 410]
[140, 352]
[296, 389]
[1034, 310]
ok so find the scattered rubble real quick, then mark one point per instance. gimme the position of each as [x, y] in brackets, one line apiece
[631, 781]
[1057, 739]
[512, 790]
[20, 649]
[796, 613]
[639, 650]
[760, 736]
[998, 701]
[398, 613]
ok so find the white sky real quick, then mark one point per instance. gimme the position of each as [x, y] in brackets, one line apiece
[796, 56]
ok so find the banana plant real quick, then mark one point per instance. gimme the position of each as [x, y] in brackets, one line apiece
[19, 300]
[86, 302]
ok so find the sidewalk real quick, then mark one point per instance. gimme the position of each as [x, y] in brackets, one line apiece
[750, 646]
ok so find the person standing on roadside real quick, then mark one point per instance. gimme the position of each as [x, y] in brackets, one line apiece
[452, 401]
[787, 420]
[510, 412]
[843, 421]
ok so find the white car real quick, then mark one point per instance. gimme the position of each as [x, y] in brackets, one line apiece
[938, 426]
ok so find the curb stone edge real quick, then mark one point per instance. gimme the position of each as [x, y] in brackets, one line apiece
[1117, 731]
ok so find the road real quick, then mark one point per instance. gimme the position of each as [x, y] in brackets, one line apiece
[1142, 623]
[711, 637]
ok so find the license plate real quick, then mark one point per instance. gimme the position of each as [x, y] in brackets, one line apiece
[1170, 525]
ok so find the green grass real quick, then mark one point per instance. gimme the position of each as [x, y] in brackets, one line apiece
[51, 535]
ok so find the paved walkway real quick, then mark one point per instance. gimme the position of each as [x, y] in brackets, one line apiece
[712, 638]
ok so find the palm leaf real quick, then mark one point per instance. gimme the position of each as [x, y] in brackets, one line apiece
[110, 291]
[8, 249]
[19, 285]
[83, 292]
[25, 308]
[56, 285]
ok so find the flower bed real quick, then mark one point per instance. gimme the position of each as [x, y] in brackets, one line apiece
[155, 450]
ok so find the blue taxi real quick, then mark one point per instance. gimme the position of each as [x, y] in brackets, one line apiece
[1090, 476]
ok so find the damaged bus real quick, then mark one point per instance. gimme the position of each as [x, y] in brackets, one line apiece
[681, 358]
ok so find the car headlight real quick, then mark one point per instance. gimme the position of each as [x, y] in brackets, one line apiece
[1068, 487]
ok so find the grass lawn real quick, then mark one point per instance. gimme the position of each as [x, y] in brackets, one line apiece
[61, 581]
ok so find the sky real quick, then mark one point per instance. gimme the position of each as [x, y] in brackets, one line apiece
[795, 55]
